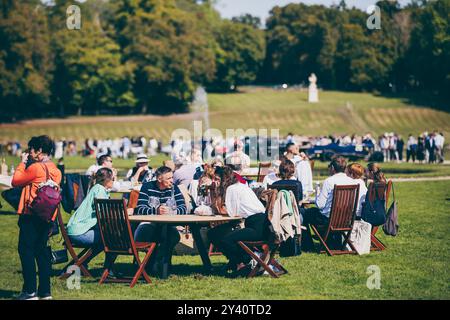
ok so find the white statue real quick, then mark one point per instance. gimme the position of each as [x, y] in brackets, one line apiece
[313, 93]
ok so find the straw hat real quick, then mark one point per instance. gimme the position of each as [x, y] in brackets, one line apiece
[142, 158]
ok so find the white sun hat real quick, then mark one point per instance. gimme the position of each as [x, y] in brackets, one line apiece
[142, 158]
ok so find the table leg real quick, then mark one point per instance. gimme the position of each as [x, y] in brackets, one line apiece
[201, 248]
[164, 247]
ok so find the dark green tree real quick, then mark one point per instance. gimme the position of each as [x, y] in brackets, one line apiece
[25, 60]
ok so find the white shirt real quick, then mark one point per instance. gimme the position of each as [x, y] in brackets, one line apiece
[439, 141]
[362, 195]
[325, 197]
[240, 200]
[269, 179]
[93, 169]
[304, 175]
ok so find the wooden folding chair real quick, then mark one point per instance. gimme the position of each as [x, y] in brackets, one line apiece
[77, 259]
[213, 251]
[263, 170]
[342, 216]
[383, 190]
[118, 239]
[264, 254]
[133, 200]
[287, 187]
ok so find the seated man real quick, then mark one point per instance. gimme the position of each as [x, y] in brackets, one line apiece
[239, 153]
[321, 214]
[159, 196]
[141, 172]
[103, 161]
[292, 153]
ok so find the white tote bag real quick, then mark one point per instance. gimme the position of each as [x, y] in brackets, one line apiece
[360, 236]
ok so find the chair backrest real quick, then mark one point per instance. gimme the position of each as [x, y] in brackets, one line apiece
[134, 197]
[343, 207]
[62, 229]
[381, 190]
[263, 170]
[75, 191]
[287, 187]
[114, 226]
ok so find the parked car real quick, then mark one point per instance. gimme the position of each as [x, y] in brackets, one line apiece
[353, 152]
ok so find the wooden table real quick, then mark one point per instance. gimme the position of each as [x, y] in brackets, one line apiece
[194, 222]
[5, 180]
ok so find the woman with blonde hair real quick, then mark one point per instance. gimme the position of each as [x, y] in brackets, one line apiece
[356, 172]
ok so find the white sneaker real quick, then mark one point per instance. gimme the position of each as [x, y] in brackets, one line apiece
[46, 298]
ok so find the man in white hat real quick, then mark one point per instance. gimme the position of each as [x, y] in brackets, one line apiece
[141, 172]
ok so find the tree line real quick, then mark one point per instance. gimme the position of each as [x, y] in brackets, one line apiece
[135, 56]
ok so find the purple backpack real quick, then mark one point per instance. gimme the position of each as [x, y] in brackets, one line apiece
[47, 201]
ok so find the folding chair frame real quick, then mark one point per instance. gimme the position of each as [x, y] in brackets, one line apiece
[345, 227]
[111, 215]
[376, 244]
[77, 259]
[265, 260]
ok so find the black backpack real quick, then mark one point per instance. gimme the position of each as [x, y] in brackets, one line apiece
[291, 247]
[374, 212]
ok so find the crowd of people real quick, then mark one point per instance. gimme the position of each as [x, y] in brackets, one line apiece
[217, 184]
[428, 147]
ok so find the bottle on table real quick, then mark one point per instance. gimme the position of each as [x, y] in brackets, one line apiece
[12, 170]
[317, 189]
[4, 168]
[172, 203]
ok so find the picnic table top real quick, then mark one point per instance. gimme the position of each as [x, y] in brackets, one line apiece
[5, 180]
[175, 219]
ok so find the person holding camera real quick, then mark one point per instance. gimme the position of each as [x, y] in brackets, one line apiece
[34, 232]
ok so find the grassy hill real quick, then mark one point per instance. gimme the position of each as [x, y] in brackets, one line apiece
[253, 107]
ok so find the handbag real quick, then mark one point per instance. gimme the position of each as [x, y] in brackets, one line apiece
[12, 196]
[360, 236]
[47, 200]
[58, 256]
[374, 212]
[391, 226]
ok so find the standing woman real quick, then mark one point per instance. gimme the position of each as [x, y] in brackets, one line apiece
[34, 233]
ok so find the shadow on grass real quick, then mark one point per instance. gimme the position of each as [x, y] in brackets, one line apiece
[427, 100]
[7, 213]
[129, 270]
[8, 294]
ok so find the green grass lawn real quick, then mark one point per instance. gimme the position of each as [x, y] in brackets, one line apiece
[414, 265]
[337, 112]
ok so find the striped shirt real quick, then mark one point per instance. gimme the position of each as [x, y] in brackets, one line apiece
[151, 189]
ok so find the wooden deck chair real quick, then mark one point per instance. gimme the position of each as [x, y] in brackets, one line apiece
[383, 190]
[77, 259]
[263, 170]
[134, 197]
[213, 251]
[287, 187]
[342, 216]
[118, 239]
[263, 252]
